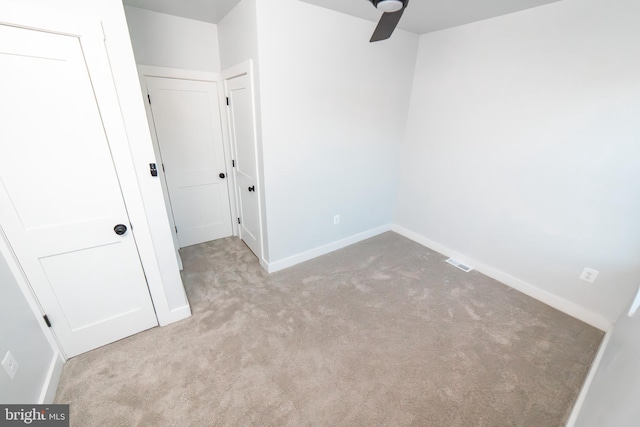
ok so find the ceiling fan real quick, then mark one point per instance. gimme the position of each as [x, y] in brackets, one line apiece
[393, 10]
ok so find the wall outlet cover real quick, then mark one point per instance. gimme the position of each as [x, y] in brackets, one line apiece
[589, 275]
[10, 365]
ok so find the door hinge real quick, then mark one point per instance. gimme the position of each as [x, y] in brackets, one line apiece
[46, 320]
[162, 167]
[175, 228]
[149, 98]
[227, 100]
[233, 163]
[239, 221]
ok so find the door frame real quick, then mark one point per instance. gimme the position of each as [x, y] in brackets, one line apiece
[145, 71]
[246, 68]
[165, 287]
[75, 255]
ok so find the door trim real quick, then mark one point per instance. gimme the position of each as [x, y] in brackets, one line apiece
[145, 71]
[246, 68]
[92, 59]
[108, 28]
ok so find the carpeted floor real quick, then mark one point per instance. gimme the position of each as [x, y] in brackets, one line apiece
[382, 333]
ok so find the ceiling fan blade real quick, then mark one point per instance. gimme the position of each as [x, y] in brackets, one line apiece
[387, 24]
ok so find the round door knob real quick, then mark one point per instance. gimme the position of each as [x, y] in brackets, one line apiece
[222, 175]
[120, 229]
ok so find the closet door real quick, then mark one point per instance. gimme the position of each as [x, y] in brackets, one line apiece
[61, 206]
[186, 117]
[243, 138]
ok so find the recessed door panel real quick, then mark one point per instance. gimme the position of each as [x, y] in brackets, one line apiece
[86, 305]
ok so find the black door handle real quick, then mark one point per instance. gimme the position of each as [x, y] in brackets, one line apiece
[222, 175]
[120, 229]
[252, 188]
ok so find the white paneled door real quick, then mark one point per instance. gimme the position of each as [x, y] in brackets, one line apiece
[61, 206]
[186, 116]
[242, 130]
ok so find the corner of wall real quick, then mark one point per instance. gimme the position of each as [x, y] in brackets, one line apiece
[50, 385]
[574, 310]
[325, 249]
[584, 390]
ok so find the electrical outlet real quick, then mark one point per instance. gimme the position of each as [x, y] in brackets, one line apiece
[589, 274]
[10, 365]
[336, 219]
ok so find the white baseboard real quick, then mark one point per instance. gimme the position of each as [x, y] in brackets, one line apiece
[176, 315]
[594, 319]
[50, 386]
[577, 406]
[272, 267]
[179, 258]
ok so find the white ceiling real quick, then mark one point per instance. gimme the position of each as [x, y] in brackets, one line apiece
[425, 16]
[421, 16]
[201, 10]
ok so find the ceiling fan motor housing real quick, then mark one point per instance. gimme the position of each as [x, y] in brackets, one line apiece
[388, 6]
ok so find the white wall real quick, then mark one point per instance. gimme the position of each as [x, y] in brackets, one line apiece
[523, 149]
[612, 398]
[170, 41]
[238, 35]
[333, 116]
[21, 334]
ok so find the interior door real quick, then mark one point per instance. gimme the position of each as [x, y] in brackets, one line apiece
[186, 117]
[60, 198]
[243, 140]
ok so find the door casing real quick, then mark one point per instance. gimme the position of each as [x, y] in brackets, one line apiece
[145, 71]
[107, 24]
[246, 68]
[61, 192]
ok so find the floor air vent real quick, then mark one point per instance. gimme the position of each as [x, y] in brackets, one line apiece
[459, 265]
